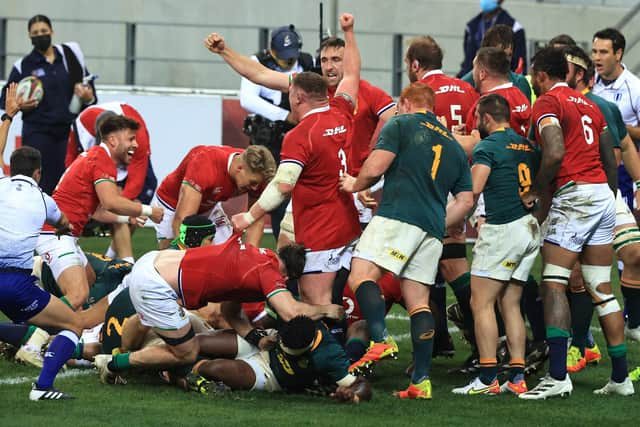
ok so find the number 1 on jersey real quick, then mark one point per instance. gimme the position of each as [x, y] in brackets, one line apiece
[437, 150]
[524, 177]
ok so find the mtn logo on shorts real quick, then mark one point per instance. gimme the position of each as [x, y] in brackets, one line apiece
[397, 255]
[509, 264]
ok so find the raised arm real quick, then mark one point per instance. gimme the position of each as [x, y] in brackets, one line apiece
[245, 66]
[351, 80]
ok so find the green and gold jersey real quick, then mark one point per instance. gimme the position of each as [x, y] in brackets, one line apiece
[325, 360]
[429, 164]
[514, 162]
[518, 81]
[109, 274]
[612, 115]
[120, 309]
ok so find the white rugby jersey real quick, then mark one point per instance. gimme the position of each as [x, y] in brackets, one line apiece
[23, 210]
[625, 93]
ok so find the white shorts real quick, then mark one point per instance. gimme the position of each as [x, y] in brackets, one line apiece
[60, 253]
[404, 249]
[91, 336]
[581, 215]
[153, 298]
[623, 214]
[506, 251]
[265, 380]
[479, 212]
[330, 260]
[164, 230]
[245, 349]
[364, 214]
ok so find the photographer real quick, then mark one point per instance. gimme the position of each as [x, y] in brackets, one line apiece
[270, 116]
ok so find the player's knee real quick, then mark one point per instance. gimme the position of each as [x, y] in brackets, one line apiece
[77, 297]
[596, 281]
[630, 256]
[556, 274]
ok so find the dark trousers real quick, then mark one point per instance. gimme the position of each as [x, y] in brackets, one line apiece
[52, 144]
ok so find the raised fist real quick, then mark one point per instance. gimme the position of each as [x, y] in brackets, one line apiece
[214, 42]
[346, 22]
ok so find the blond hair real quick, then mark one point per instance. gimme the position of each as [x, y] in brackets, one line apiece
[259, 160]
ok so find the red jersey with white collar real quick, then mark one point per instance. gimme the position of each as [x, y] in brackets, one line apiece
[582, 123]
[454, 97]
[520, 114]
[230, 271]
[389, 288]
[371, 104]
[136, 171]
[205, 169]
[323, 216]
[75, 193]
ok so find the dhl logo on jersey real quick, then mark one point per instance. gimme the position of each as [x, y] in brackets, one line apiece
[520, 108]
[436, 129]
[519, 147]
[577, 100]
[335, 131]
[449, 89]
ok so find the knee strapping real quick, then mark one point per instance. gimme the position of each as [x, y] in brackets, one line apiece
[625, 237]
[594, 276]
[555, 273]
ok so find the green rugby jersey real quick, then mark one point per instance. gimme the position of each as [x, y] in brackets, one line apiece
[514, 163]
[109, 274]
[119, 310]
[429, 164]
[326, 359]
[612, 115]
[518, 81]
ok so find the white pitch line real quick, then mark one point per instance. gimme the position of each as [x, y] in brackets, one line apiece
[68, 374]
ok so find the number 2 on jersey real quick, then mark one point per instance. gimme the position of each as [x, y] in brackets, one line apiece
[524, 177]
[437, 150]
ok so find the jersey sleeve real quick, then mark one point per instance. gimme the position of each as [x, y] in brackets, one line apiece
[544, 107]
[200, 173]
[342, 103]
[295, 149]
[103, 169]
[389, 138]
[271, 282]
[53, 212]
[330, 360]
[470, 121]
[379, 100]
[481, 155]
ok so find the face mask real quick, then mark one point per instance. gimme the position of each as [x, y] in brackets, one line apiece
[41, 43]
[488, 5]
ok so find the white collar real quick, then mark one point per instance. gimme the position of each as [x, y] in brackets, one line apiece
[618, 82]
[502, 86]
[103, 145]
[317, 110]
[559, 84]
[229, 160]
[431, 73]
[24, 178]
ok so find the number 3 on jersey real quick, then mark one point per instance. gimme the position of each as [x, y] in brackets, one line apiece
[343, 162]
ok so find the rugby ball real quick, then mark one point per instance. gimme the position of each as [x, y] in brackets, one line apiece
[30, 88]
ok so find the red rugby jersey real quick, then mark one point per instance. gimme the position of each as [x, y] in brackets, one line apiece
[372, 102]
[206, 169]
[582, 123]
[520, 117]
[230, 271]
[75, 193]
[136, 171]
[454, 97]
[323, 216]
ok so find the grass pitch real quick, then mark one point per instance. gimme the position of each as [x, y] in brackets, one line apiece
[145, 401]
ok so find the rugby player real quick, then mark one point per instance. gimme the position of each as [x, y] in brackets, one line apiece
[207, 176]
[405, 236]
[504, 163]
[313, 157]
[137, 180]
[579, 164]
[241, 273]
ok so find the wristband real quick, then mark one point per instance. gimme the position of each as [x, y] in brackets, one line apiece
[122, 219]
[5, 116]
[637, 183]
[146, 210]
[249, 218]
[254, 336]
